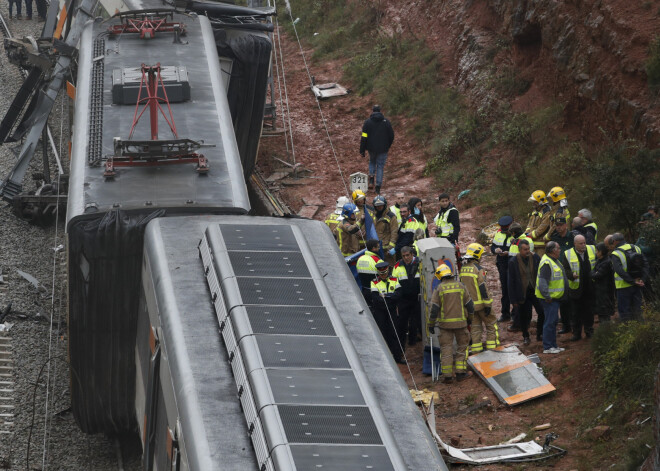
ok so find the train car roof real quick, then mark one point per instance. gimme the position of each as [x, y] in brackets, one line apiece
[178, 239]
[205, 117]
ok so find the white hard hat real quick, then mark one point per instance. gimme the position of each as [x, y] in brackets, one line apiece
[341, 201]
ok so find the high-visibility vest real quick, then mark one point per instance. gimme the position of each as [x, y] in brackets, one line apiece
[620, 252]
[556, 285]
[399, 270]
[385, 286]
[446, 228]
[574, 262]
[470, 274]
[593, 224]
[502, 239]
[513, 249]
[397, 212]
[366, 264]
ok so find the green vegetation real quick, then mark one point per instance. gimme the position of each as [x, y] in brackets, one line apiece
[653, 65]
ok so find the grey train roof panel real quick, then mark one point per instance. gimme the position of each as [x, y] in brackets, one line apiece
[352, 412]
[205, 117]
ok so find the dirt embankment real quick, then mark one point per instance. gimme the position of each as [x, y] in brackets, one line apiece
[589, 56]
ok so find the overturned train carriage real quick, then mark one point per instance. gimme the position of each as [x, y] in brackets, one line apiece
[255, 350]
[156, 149]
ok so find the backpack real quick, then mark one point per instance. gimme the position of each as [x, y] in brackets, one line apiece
[635, 262]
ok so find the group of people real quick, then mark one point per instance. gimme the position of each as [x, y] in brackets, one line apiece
[563, 272]
[41, 9]
[388, 270]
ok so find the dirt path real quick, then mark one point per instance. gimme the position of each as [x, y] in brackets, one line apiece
[570, 372]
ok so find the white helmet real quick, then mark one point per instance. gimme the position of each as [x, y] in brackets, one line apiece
[341, 201]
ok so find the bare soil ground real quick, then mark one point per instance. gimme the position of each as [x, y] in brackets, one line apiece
[571, 372]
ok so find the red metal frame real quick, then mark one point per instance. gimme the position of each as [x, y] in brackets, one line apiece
[151, 74]
[147, 25]
[154, 152]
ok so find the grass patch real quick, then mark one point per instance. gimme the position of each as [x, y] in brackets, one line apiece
[653, 65]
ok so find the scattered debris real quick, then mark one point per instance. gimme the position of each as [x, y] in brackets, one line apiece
[518, 438]
[58, 248]
[329, 90]
[490, 427]
[463, 410]
[5, 312]
[642, 422]
[32, 280]
[2, 280]
[463, 194]
[308, 211]
[599, 432]
[424, 396]
[538, 428]
[512, 376]
[6, 327]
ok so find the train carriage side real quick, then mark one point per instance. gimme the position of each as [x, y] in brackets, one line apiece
[314, 385]
[106, 215]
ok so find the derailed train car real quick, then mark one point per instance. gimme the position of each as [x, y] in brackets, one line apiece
[135, 158]
[252, 330]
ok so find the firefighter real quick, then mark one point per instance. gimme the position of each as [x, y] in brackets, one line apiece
[385, 294]
[539, 220]
[559, 209]
[406, 235]
[366, 268]
[451, 306]
[333, 218]
[348, 231]
[360, 200]
[387, 228]
[500, 247]
[473, 276]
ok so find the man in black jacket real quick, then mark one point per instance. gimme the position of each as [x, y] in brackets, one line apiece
[522, 271]
[377, 138]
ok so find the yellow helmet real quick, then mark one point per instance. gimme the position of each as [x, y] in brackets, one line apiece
[442, 271]
[557, 194]
[474, 250]
[358, 194]
[538, 196]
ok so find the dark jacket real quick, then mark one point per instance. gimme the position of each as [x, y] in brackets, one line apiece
[585, 288]
[604, 290]
[587, 232]
[418, 217]
[565, 242]
[517, 293]
[377, 134]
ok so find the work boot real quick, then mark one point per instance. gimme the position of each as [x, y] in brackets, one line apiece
[448, 379]
[564, 330]
[526, 341]
[575, 338]
[372, 179]
[463, 376]
[504, 318]
[377, 189]
[513, 328]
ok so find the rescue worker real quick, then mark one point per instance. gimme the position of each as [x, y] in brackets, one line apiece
[396, 207]
[419, 235]
[589, 225]
[523, 269]
[385, 294]
[473, 276]
[386, 228]
[451, 306]
[406, 234]
[578, 263]
[348, 231]
[333, 218]
[551, 285]
[417, 211]
[366, 268]
[447, 221]
[407, 272]
[360, 199]
[539, 220]
[377, 138]
[630, 274]
[559, 209]
[500, 247]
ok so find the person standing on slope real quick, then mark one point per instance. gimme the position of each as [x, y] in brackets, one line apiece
[377, 138]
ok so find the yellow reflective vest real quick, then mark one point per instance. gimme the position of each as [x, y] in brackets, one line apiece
[620, 252]
[556, 284]
[574, 263]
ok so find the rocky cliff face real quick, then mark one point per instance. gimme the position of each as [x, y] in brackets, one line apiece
[588, 55]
